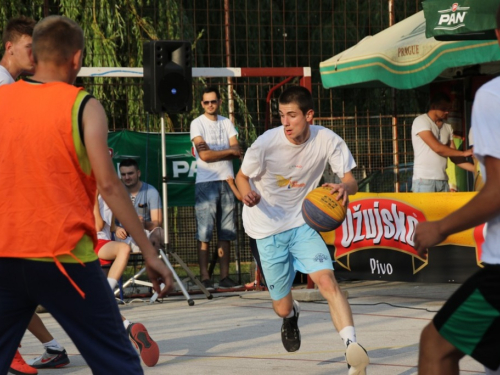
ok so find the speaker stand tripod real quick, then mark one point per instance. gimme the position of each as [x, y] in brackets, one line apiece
[165, 227]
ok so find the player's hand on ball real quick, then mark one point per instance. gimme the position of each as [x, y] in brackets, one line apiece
[427, 234]
[341, 190]
[251, 199]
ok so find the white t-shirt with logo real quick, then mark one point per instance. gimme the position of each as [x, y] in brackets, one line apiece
[427, 164]
[5, 77]
[283, 173]
[486, 133]
[216, 134]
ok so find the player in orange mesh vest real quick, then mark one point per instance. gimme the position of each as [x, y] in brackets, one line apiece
[53, 153]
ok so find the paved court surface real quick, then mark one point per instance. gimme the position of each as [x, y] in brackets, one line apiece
[238, 333]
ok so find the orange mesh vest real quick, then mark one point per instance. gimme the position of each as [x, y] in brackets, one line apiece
[47, 201]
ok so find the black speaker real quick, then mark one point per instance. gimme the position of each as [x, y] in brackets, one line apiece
[167, 76]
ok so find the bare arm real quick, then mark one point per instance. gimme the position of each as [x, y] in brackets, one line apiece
[468, 166]
[236, 192]
[156, 219]
[113, 192]
[461, 161]
[483, 207]
[249, 197]
[439, 148]
[349, 186]
[209, 156]
[99, 222]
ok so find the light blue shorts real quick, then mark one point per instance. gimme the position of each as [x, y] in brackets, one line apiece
[283, 254]
[422, 185]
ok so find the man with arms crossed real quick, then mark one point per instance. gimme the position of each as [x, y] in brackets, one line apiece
[469, 322]
[297, 152]
[214, 138]
[55, 151]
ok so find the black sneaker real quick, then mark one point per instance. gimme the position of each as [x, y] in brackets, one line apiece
[290, 334]
[227, 283]
[357, 359]
[207, 284]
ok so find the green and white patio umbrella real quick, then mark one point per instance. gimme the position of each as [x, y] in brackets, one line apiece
[464, 20]
[402, 57]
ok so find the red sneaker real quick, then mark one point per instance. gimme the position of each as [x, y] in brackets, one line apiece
[20, 367]
[148, 348]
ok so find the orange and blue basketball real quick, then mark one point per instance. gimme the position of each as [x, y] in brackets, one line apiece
[321, 211]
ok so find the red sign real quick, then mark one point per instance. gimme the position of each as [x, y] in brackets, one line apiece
[454, 7]
[380, 222]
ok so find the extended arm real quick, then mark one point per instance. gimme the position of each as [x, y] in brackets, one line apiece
[439, 148]
[461, 161]
[483, 207]
[209, 156]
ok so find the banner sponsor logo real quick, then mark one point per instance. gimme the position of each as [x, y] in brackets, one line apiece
[379, 223]
[408, 50]
[452, 18]
[181, 167]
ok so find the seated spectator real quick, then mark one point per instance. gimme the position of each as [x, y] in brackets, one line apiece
[147, 204]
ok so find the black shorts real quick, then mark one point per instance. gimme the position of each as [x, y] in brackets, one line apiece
[470, 319]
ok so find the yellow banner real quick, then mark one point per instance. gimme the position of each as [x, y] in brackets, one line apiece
[388, 220]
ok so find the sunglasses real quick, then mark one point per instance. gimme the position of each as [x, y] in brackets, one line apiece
[207, 102]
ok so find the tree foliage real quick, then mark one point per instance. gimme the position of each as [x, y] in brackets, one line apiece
[263, 33]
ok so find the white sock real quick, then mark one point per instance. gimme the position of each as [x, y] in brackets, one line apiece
[112, 283]
[53, 345]
[348, 333]
[297, 309]
[126, 323]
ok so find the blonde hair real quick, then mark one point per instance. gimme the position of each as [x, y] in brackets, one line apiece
[56, 39]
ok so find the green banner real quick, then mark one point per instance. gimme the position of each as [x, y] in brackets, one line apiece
[464, 20]
[146, 149]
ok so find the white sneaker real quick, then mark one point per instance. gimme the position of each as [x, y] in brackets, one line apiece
[357, 359]
[51, 358]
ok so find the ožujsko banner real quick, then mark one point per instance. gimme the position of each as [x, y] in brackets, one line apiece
[375, 240]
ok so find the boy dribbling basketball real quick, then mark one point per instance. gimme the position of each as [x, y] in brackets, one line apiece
[297, 152]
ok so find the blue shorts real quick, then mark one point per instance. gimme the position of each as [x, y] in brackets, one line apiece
[283, 254]
[214, 203]
[422, 185]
